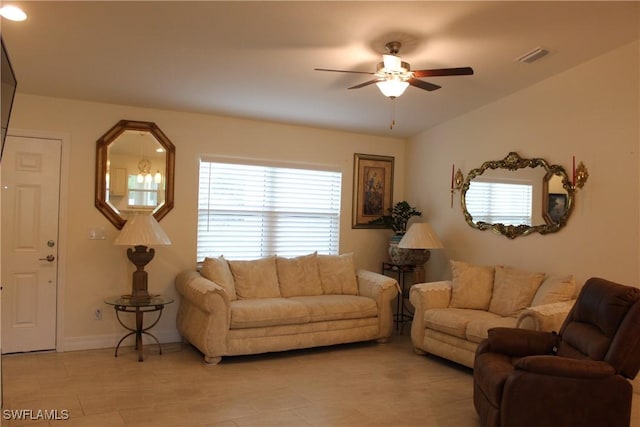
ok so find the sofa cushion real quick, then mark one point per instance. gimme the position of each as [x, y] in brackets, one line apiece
[255, 278]
[513, 290]
[453, 321]
[338, 274]
[338, 307]
[555, 289]
[262, 312]
[299, 276]
[217, 270]
[477, 330]
[471, 286]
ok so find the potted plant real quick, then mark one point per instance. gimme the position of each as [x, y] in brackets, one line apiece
[399, 216]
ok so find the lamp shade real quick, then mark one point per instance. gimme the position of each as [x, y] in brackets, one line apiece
[142, 230]
[420, 236]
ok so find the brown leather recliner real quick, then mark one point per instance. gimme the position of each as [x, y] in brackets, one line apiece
[575, 378]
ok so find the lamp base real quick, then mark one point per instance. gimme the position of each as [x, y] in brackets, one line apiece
[419, 257]
[140, 257]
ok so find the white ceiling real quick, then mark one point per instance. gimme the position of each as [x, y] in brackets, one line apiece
[257, 59]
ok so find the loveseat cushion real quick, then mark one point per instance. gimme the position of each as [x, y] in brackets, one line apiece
[338, 274]
[454, 321]
[299, 276]
[513, 290]
[263, 312]
[217, 270]
[338, 307]
[478, 329]
[471, 285]
[255, 278]
[555, 289]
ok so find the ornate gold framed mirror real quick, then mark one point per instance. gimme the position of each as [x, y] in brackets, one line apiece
[135, 165]
[517, 196]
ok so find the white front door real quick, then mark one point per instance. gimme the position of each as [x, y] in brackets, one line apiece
[30, 202]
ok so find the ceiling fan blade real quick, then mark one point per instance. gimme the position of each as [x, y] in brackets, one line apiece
[343, 71]
[423, 85]
[365, 84]
[461, 71]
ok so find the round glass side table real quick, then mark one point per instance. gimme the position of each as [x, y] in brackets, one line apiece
[125, 304]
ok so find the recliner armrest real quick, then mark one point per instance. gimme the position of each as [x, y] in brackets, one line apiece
[520, 342]
[565, 367]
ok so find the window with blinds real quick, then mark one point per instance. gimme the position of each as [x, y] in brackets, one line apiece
[252, 211]
[497, 202]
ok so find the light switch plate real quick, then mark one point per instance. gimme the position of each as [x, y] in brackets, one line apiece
[97, 233]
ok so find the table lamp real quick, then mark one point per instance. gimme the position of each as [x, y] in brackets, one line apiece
[420, 238]
[141, 231]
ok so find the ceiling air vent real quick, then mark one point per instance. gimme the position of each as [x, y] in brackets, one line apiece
[532, 55]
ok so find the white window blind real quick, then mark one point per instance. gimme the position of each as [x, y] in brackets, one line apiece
[250, 211]
[495, 202]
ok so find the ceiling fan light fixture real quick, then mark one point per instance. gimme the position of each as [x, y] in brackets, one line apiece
[392, 88]
[12, 13]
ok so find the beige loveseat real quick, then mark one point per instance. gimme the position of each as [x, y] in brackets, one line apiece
[275, 304]
[452, 317]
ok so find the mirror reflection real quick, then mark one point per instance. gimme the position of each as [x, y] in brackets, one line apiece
[134, 172]
[517, 196]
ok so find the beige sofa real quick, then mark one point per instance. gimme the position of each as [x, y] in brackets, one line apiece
[452, 317]
[274, 304]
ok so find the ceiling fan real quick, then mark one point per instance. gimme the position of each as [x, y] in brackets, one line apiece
[393, 75]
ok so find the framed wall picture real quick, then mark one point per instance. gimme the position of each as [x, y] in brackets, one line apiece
[372, 189]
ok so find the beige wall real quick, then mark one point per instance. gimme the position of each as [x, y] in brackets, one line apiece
[592, 112]
[95, 269]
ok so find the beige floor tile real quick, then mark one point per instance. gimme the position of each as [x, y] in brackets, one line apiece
[362, 384]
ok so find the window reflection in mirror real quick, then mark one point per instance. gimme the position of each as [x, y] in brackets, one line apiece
[501, 200]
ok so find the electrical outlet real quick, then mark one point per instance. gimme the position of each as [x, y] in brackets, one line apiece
[97, 314]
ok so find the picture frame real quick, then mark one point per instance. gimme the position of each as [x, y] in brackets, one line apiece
[372, 189]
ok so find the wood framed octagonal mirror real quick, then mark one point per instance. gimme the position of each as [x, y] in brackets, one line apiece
[135, 164]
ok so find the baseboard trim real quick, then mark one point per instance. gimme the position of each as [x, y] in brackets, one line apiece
[92, 342]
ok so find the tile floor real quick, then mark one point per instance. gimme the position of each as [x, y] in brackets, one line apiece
[352, 385]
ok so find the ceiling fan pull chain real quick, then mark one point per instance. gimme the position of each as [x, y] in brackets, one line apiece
[393, 113]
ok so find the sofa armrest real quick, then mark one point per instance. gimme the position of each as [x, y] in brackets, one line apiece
[201, 291]
[204, 315]
[547, 317]
[424, 296]
[372, 284]
[383, 290]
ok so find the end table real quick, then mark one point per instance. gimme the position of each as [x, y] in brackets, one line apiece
[125, 304]
[403, 314]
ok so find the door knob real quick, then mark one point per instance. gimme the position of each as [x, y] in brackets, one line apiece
[49, 258]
